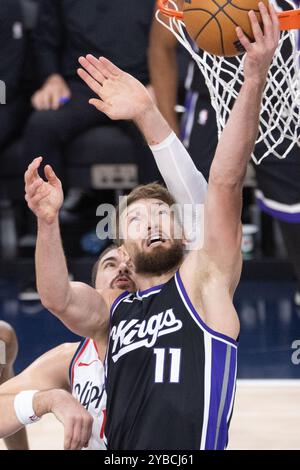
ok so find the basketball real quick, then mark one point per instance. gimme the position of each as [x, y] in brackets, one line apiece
[212, 24]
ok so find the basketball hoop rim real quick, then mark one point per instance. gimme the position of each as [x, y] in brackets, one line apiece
[162, 5]
[288, 20]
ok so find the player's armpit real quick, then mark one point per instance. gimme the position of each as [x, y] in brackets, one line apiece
[210, 291]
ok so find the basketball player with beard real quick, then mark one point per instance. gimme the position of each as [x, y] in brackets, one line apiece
[78, 368]
[67, 375]
[171, 361]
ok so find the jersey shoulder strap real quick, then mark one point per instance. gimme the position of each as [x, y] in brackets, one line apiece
[81, 347]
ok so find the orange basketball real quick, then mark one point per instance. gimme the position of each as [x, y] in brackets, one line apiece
[212, 23]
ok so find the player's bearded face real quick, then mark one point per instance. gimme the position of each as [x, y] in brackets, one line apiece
[153, 242]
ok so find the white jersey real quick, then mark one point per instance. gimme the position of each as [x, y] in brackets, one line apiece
[88, 387]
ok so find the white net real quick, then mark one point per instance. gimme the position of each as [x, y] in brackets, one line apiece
[280, 114]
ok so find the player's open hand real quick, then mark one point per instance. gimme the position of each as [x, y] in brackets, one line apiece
[77, 422]
[44, 198]
[121, 95]
[260, 53]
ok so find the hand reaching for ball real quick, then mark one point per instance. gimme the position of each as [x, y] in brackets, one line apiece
[259, 54]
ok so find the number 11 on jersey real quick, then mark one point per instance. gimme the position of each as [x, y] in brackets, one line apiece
[161, 357]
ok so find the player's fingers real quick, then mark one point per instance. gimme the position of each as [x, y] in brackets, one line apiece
[275, 21]
[111, 68]
[68, 435]
[266, 19]
[90, 81]
[100, 105]
[32, 188]
[256, 29]
[94, 67]
[243, 39]
[51, 176]
[76, 435]
[32, 170]
[87, 430]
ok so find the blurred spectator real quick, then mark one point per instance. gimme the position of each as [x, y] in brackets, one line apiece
[66, 30]
[12, 57]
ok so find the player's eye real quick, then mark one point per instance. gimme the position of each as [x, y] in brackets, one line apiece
[109, 265]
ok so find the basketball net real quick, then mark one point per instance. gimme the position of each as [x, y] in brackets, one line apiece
[280, 113]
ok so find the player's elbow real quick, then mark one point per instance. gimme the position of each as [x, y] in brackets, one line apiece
[227, 176]
[59, 308]
[54, 301]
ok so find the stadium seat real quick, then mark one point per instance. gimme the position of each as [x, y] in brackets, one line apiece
[101, 158]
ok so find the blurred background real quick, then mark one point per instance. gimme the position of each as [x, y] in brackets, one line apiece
[45, 112]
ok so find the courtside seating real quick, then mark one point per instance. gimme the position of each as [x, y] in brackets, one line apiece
[101, 158]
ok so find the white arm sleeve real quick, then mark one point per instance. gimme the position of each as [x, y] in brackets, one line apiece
[186, 184]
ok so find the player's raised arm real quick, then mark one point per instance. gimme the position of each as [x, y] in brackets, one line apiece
[46, 386]
[123, 97]
[81, 308]
[224, 198]
[212, 273]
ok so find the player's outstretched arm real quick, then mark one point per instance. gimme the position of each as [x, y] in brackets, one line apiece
[224, 198]
[211, 275]
[228, 170]
[124, 97]
[81, 308]
[49, 376]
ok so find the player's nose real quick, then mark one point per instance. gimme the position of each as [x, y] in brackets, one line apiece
[123, 268]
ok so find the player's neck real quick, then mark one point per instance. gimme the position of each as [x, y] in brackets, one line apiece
[144, 282]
